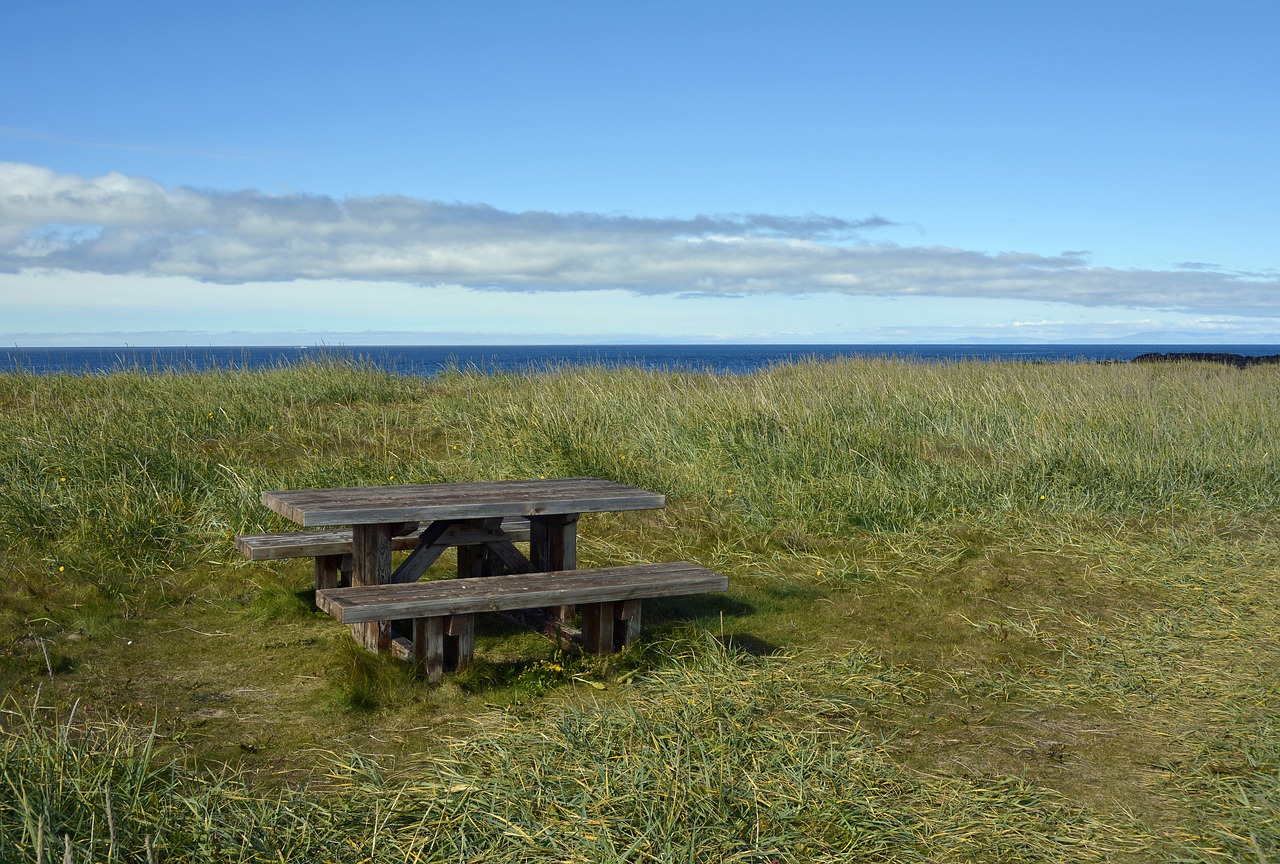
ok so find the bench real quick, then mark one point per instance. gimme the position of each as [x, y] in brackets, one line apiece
[332, 548]
[443, 611]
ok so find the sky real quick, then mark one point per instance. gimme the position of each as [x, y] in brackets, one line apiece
[853, 172]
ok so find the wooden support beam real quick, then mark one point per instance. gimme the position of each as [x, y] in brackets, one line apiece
[460, 642]
[446, 643]
[428, 647]
[627, 627]
[337, 541]
[511, 558]
[370, 557]
[401, 648]
[479, 559]
[553, 542]
[597, 627]
[328, 571]
[429, 549]
[472, 561]
[553, 545]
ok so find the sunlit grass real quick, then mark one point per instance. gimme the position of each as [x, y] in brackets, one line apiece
[984, 611]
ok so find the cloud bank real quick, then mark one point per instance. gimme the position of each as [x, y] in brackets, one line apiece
[116, 224]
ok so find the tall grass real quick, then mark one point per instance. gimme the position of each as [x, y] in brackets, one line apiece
[136, 469]
[1059, 581]
[720, 758]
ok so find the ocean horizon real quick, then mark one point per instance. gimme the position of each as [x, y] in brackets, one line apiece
[429, 360]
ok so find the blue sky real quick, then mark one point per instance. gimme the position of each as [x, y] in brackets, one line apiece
[855, 172]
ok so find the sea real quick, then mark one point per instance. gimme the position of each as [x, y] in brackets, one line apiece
[430, 360]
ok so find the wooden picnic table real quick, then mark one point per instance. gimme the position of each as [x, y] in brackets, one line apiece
[465, 515]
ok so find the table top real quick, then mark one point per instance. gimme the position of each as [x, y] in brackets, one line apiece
[365, 505]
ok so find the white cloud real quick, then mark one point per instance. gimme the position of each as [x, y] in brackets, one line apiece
[129, 225]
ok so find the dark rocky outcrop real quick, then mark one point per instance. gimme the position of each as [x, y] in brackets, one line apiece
[1240, 361]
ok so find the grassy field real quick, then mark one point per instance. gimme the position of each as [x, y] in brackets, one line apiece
[987, 612]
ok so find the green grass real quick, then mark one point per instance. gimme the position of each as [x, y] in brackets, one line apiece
[1004, 612]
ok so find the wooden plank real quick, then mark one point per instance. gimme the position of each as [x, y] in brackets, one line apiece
[426, 553]
[460, 642]
[553, 542]
[560, 632]
[328, 571]
[427, 502]
[296, 544]
[428, 647]
[490, 563]
[401, 648]
[553, 545]
[463, 534]
[597, 628]
[511, 558]
[498, 593]
[337, 541]
[627, 627]
[472, 561]
[370, 567]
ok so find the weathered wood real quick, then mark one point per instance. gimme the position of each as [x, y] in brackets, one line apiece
[553, 545]
[479, 533]
[328, 571]
[428, 647]
[472, 562]
[597, 628]
[460, 642]
[609, 627]
[401, 647]
[428, 550]
[442, 645]
[492, 563]
[511, 558]
[337, 541]
[498, 593]
[444, 534]
[563, 633]
[627, 627]
[386, 504]
[443, 611]
[370, 562]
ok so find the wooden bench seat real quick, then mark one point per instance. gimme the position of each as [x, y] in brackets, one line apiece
[443, 611]
[337, 541]
[330, 547]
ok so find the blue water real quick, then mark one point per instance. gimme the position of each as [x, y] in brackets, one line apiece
[431, 360]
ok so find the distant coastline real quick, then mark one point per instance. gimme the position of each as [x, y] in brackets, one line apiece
[1240, 361]
[719, 359]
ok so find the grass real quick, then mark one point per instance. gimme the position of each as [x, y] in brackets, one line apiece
[1006, 612]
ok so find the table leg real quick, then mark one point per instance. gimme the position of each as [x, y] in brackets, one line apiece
[474, 561]
[371, 565]
[553, 545]
[553, 542]
[597, 627]
[609, 627]
[333, 571]
[444, 643]
[328, 571]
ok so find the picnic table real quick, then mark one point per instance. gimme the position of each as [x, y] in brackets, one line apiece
[468, 516]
